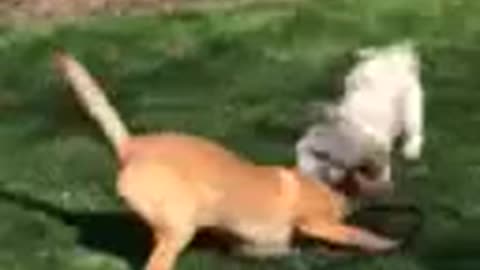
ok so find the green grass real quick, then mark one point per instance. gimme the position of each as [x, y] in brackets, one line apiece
[241, 78]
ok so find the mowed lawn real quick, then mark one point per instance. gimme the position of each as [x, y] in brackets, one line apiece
[242, 78]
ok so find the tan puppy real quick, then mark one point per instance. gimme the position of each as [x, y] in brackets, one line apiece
[180, 183]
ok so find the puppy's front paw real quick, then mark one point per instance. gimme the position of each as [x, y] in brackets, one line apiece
[371, 243]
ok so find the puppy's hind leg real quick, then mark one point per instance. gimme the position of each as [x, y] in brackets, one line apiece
[169, 243]
[152, 192]
[413, 123]
[347, 235]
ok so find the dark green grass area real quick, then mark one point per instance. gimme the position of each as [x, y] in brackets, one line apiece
[242, 78]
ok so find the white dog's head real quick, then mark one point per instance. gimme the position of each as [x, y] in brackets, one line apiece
[331, 152]
[363, 124]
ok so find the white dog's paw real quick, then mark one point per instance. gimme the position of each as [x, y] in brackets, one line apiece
[412, 149]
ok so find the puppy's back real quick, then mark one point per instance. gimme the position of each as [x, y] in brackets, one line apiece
[218, 177]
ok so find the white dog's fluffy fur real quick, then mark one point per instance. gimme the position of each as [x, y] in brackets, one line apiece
[383, 100]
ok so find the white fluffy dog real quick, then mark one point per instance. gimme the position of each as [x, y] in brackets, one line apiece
[383, 100]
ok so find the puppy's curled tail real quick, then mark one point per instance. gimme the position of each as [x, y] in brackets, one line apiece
[92, 98]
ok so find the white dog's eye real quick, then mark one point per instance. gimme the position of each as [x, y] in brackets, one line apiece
[321, 155]
[326, 157]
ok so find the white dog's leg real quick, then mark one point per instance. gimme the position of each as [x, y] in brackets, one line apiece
[413, 123]
[386, 175]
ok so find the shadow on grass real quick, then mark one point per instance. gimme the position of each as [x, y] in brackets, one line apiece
[454, 247]
[400, 221]
[119, 233]
[122, 234]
